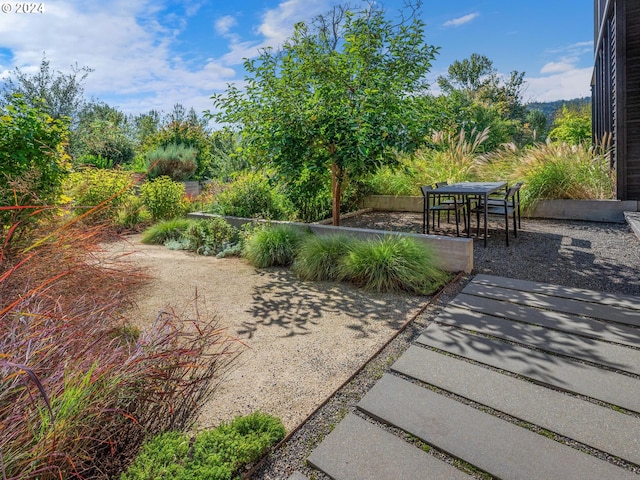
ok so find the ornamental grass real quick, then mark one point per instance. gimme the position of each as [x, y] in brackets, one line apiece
[80, 387]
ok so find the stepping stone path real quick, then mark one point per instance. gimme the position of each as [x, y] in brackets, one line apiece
[514, 380]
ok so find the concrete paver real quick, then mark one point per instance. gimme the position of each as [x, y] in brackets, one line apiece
[359, 450]
[570, 375]
[599, 427]
[577, 307]
[588, 296]
[614, 356]
[587, 327]
[495, 328]
[503, 449]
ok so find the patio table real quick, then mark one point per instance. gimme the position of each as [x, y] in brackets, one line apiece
[467, 190]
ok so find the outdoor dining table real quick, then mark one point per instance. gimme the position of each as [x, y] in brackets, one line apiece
[468, 190]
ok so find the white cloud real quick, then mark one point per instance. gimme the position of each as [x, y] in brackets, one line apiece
[565, 64]
[136, 47]
[275, 27]
[128, 44]
[456, 22]
[560, 86]
[564, 76]
[224, 24]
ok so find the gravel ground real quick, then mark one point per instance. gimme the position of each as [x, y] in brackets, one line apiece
[598, 256]
[299, 340]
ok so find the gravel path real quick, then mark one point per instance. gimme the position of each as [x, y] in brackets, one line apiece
[303, 339]
[597, 256]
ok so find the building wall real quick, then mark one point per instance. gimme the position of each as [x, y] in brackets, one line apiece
[632, 74]
[616, 88]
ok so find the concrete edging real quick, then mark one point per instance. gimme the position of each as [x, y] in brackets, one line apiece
[453, 254]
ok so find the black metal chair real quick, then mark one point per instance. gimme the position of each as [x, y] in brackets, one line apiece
[506, 206]
[496, 200]
[438, 207]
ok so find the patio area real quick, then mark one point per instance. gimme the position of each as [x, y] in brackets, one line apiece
[567, 255]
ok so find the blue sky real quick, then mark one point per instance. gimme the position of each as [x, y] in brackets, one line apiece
[153, 54]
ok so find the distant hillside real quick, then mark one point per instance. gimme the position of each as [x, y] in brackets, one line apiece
[550, 108]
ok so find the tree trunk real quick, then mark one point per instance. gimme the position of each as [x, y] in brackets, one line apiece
[336, 192]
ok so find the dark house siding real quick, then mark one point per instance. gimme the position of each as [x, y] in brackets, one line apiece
[616, 88]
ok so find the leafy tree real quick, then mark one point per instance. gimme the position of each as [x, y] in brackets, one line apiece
[102, 131]
[476, 96]
[536, 121]
[339, 96]
[227, 157]
[572, 125]
[33, 157]
[62, 93]
[145, 125]
[477, 79]
[470, 75]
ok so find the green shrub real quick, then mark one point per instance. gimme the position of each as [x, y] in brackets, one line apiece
[177, 162]
[33, 162]
[209, 237]
[188, 132]
[164, 198]
[389, 181]
[163, 456]
[164, 230]
[273, 246]
[92, 187]
[240, 442]
[231, 250]
[572, 125]
[450, 158]
[319, 257]
[217, 454]
[392, 264]
[251, 196]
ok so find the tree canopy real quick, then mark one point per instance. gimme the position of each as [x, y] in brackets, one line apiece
[338, 97]
[59, 94]
[476, 96]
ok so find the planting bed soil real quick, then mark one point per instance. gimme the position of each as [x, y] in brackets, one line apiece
[303, 339]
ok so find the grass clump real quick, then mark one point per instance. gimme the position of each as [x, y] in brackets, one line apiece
[166, 230]
[562, 171]
[392, 264]
[217, 454]
[319, 257]
[272, 246]
[450, 158]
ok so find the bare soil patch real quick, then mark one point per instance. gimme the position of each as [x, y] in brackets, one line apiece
[303, 339]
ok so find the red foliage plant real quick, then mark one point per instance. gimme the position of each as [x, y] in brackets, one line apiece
[80, 387]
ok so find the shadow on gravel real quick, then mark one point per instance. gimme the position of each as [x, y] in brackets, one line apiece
[589, 255]
[292, 305]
